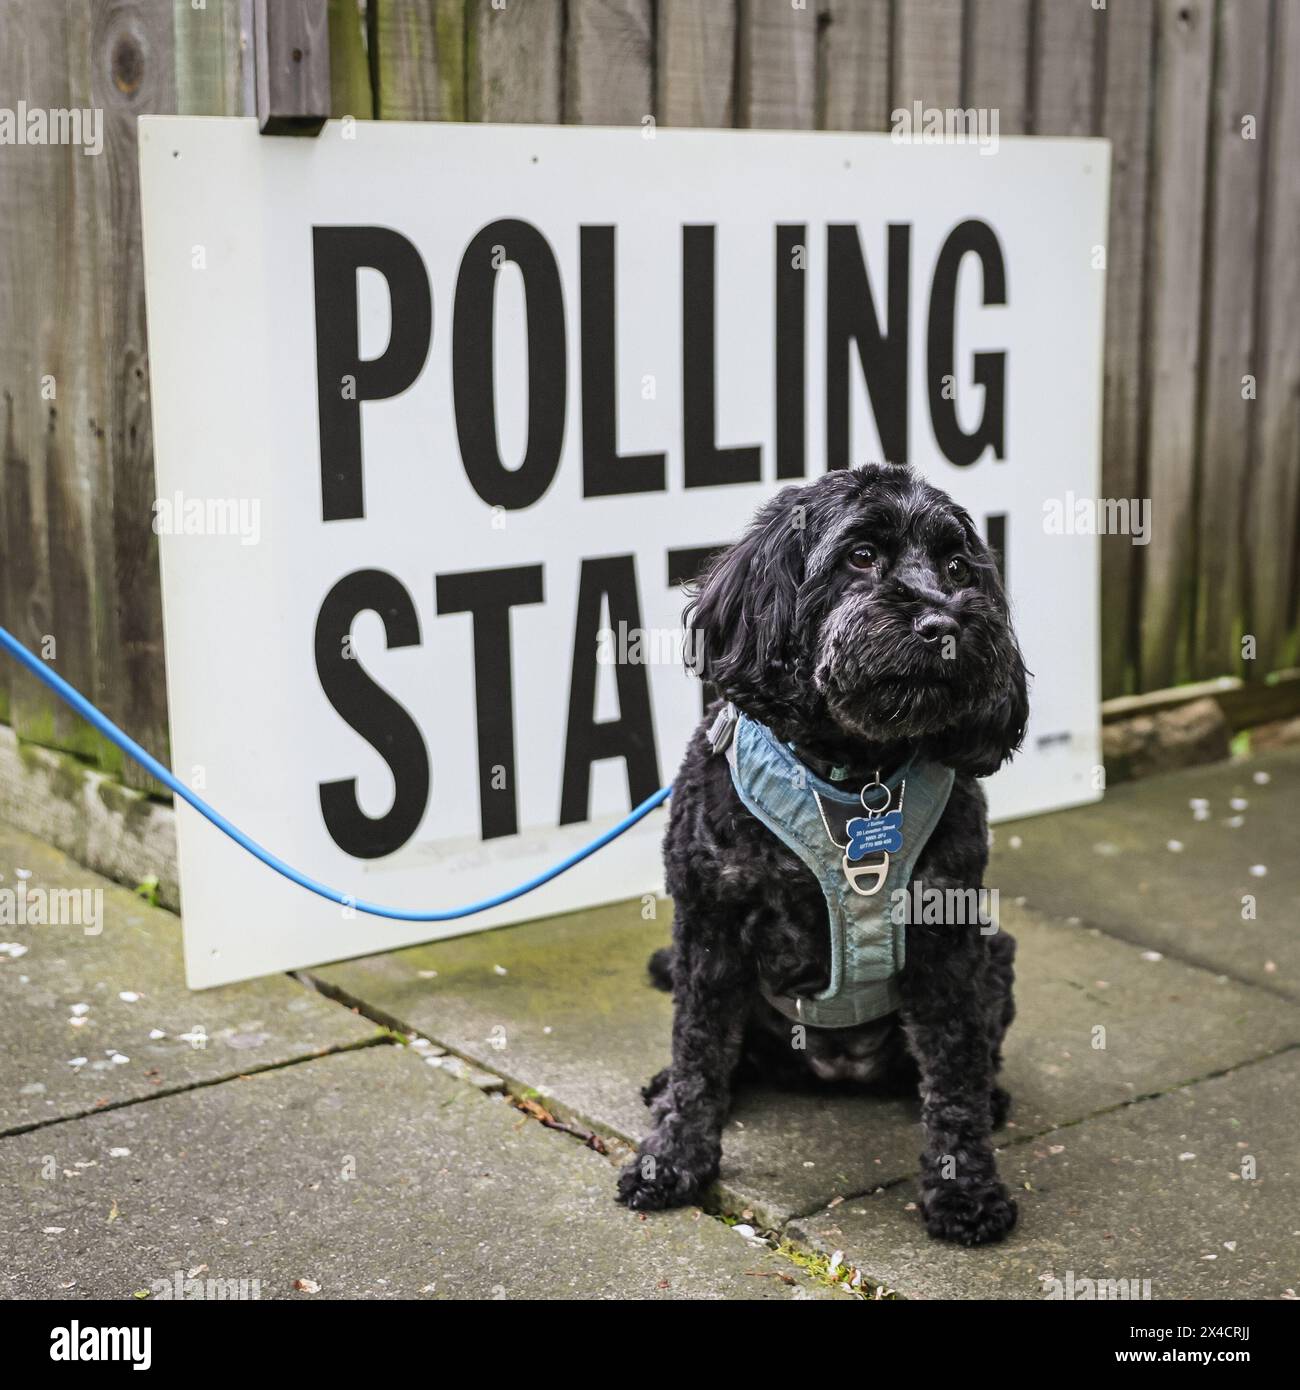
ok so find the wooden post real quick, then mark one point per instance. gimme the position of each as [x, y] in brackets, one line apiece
[293, 65]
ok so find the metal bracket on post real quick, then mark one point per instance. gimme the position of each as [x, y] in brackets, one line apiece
[291, 38]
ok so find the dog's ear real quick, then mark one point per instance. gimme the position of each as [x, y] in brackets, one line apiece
[980, 744]
[741, 618]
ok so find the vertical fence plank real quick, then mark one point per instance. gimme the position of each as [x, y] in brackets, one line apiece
[350, 86]
[1185, 36]
[1273, 531]
[695, 63]
[1125, 118]
[997, 61]
[132, 70]
[1066, 35]
[609, 70]
[14, 340]
[514, 61]
[37, 254]
[8, 344]
[927, 64]
[1240, 90]
[214, 58]
[74, 472]
[418, 57]
[776, 66]
[854, 61]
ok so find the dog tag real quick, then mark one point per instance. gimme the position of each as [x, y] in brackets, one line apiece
[870, 834]
[866, 879]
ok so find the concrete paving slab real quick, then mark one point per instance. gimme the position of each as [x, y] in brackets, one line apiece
[563, 1007]
[1112, 865]
[93, 1019]
[1193, 1191]
[363, 1174]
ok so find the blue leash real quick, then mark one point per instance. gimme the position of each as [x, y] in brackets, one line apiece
[98, 720]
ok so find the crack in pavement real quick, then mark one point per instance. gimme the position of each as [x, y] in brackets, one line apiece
[333, 1050]
[1053, 919]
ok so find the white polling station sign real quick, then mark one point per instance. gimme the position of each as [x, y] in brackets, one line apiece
[444, 415]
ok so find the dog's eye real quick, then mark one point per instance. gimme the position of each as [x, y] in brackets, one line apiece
[862, 557]
[958, 570]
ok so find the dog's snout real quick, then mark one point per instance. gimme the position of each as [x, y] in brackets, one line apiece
[933, 627]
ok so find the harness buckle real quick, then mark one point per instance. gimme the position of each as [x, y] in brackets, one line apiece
[723, 729]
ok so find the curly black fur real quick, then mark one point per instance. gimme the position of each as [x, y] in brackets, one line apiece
[860, 617]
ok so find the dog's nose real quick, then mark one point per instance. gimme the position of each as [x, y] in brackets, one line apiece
[933, 627]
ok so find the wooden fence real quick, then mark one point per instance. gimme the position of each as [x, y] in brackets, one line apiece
[1202, 392]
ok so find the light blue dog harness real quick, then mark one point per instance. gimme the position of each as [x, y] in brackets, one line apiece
[860, 873]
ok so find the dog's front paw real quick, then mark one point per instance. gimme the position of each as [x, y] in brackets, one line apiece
[967, 1214]
[663, 1176]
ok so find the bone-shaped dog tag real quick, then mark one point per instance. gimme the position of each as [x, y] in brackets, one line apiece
[866, 879]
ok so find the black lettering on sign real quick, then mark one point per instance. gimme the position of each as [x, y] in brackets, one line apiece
[851, 318]
[705, 465]
[343, 378]
[380, 719]
[978, 238]
[473, 332]
[489, 595]
[791, 357]
[605, 472]
[610, 579]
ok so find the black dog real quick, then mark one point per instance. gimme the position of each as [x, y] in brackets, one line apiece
[861, 620]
